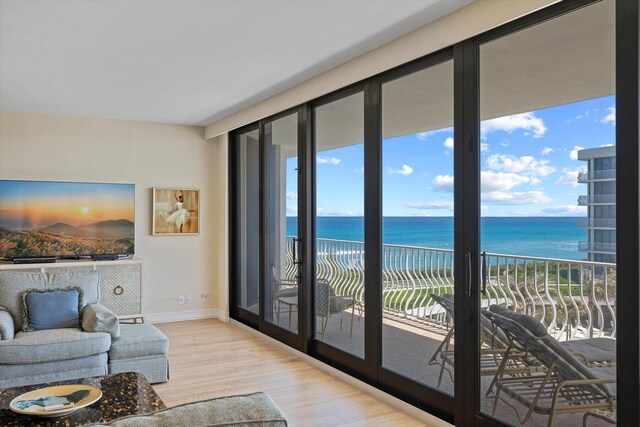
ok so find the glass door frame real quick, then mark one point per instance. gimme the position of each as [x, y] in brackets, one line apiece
[362, 368]
[464, 408]
[467, 205]
[421, 395]
[258, 321]
[235, 311]
[293, 339]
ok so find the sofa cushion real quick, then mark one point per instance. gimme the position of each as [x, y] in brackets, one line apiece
[255, 409]
[138, 340]
[19, 371]
[595, 350]
[12, 286]
[51, 309]
[87, 280]
[52, 345]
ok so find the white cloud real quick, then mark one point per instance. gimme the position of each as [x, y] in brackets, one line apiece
[327, 160]
[529, 122]
[546, 151]
[405, 170]
[568, 210]
[573, 155]
[484, 147]
[430, 205]
[331, 212]
[292, 210]
[500, 181]
[569, 177]
[292, 196]
[525, 165]
[422, 136]
[448, 143]
[610, 117]
[491, 181]
[443, 183]
[514, 198]
[359, 170]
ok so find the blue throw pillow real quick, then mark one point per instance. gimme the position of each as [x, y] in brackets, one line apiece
[51, 308]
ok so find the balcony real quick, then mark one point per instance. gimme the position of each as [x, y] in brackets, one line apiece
[604, 223]
[600, 175]
[573, 299]
[597, 247]
[597, 199]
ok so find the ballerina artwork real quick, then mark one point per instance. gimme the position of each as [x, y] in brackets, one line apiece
[176, 211]
[179, 217]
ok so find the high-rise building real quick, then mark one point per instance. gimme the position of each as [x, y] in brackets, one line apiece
[600, 201]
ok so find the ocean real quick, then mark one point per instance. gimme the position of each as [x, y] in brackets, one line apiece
[548, 237]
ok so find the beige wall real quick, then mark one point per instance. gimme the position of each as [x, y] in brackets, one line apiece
[46, 147]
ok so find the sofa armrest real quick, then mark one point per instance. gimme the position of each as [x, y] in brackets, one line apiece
[98, 318]
[7, 328]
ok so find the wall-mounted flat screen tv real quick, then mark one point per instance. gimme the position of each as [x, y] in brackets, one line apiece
[65, 219]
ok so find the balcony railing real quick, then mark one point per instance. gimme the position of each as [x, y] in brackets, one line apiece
[596, 247]
[596, 199]
[609, 174]
[573, 299]
[597, 223]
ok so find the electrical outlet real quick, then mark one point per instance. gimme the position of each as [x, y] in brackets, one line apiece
[180, 299]
[204, 297]
[188, 298]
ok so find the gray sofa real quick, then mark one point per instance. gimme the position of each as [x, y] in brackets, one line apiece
[255, 410]
[61, 354]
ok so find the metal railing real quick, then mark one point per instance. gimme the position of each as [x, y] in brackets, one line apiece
[609, 174]
[596, 199]
[573, 299]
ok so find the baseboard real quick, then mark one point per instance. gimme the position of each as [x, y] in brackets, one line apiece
[390, 400]
[181, 316]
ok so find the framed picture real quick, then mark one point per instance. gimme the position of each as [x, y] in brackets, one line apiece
[176, 211]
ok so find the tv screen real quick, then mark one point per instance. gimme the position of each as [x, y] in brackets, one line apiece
[65, 219]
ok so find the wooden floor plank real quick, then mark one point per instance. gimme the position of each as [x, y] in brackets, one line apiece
[210, 358]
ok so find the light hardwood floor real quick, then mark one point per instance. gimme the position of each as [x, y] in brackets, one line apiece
[210, 358]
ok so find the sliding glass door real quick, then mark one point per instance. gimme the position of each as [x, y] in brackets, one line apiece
[547, 306]
[245, 225]
[447, 230]
[283, 245]
[418, 277]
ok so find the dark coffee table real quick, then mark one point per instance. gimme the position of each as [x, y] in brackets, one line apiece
[122, 395]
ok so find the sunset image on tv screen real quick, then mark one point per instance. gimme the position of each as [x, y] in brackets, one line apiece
[39, 219]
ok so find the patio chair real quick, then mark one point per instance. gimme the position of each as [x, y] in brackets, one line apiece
[285, 292]
[494, 345]
[566, 386]
[323, 304]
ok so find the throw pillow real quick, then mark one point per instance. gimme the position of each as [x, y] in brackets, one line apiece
[51, 308]
[98, 318]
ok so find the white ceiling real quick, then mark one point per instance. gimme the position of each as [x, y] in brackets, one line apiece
[188, 62]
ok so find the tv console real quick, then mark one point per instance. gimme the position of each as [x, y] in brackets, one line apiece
[43, 260]
[120, 280]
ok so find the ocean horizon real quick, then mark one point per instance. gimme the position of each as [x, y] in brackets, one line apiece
[546, 237]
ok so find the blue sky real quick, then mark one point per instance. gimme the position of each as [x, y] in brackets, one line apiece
[529, 166]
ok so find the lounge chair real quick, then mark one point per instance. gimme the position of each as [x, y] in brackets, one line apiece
[566, 386]
[494, 345]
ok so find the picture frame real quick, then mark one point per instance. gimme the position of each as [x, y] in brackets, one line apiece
[175, 212]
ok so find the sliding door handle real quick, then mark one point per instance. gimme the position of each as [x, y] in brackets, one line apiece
[468, 272]
[297, 258]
